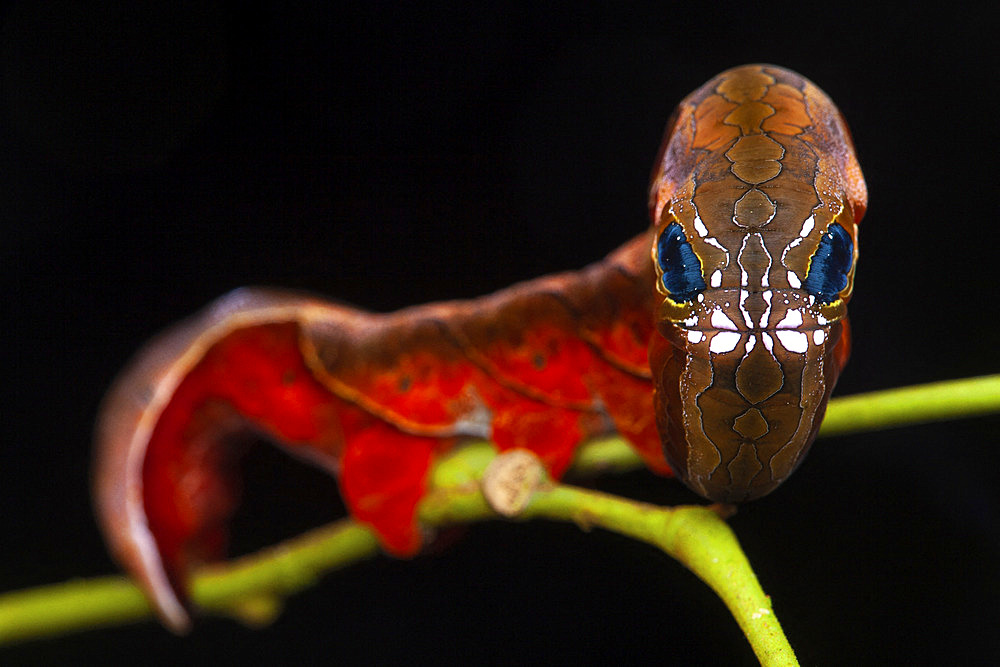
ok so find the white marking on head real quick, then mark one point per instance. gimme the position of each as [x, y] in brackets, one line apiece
[739, 260]
[807, 226]
[791, 320]
[767, 311]
[724, 341]
[720, 321]
[743, 308]
[793, 341]
[765, 272]
[711, 240]
[764, 279]
[784, 253]
[700, 227]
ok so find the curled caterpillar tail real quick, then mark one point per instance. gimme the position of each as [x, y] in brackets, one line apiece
[166, 436]
[370, 398]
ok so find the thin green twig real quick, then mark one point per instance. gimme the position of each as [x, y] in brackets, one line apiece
[253, 587]
[916, 404]
[700, 539]
[859, 413]
[249, 588]
[696, 536]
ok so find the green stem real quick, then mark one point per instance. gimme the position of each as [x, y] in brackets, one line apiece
[859, 413]
[699, 538]
[251, 588]
[79, 604]
[695, 536]
[916, 404]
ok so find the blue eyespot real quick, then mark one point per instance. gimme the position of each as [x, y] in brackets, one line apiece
[680, 266]
[831, 265]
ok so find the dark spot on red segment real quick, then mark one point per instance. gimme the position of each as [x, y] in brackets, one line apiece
[538, 361]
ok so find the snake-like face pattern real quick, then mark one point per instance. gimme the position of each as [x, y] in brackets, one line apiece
[756, 200]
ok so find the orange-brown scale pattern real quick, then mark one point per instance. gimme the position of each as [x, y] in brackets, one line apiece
[757, 167]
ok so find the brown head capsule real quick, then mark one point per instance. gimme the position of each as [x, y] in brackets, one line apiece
[755, 201]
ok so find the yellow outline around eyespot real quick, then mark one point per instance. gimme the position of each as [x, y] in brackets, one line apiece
[656, 262]
[845, 294]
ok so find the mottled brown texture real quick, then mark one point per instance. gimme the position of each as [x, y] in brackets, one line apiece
[757, 167]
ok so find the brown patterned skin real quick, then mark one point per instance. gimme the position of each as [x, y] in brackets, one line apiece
[756, 167]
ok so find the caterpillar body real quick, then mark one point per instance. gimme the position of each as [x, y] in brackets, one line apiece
[711, 342]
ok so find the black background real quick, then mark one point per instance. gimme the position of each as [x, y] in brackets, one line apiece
[153, 159]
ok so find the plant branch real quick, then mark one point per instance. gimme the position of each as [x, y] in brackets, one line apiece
[858, 413]
[252, 588]
[249, 588]
[916, 404]
[698, 537]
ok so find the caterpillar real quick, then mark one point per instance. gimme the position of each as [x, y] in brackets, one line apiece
[711, 342]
